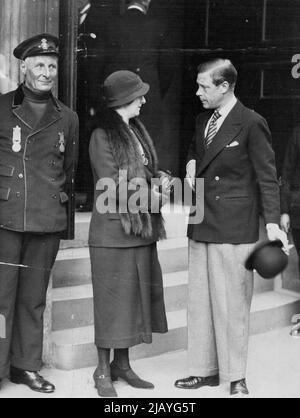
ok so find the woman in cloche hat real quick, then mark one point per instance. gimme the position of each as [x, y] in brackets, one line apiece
[126, 274]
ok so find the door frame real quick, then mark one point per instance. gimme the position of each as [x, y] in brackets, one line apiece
[68, 33]
[68, 36]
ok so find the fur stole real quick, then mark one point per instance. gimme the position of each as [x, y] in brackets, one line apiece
[127, 156]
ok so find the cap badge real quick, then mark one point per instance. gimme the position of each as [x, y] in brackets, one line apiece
[44, 44]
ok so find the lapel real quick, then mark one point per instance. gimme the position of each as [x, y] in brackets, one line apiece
[51, 115]
[145, 141]
[226, 134]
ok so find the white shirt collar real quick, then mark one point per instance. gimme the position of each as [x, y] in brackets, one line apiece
[140, 8]
[225, 110]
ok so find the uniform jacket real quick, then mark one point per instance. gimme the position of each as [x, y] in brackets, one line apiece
[290, 182]
[37, 183]
[239, 178]
[113, 150]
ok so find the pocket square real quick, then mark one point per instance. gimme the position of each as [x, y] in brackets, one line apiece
[233, 144]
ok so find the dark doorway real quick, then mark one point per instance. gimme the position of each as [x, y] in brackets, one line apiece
[111, 39]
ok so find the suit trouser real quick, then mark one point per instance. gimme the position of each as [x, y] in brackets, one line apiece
[220, 294]
[23, 296]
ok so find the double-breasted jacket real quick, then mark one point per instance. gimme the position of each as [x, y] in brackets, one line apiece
[37, 167]
[240, 179]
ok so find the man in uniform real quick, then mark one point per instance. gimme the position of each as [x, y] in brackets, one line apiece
[38, 154]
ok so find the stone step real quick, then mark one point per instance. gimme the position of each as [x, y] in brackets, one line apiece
[72, 307]
[273, 310]
[74, 348]
[73, 268]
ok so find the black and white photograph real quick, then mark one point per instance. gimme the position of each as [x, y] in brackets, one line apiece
[149, 201]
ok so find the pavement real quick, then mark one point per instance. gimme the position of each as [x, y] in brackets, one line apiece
[273, 372]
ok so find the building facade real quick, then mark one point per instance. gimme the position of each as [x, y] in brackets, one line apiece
[262, 37]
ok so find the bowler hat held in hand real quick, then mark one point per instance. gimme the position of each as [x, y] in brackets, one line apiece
[268, 259]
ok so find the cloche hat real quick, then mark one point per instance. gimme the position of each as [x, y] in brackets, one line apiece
[123, 87]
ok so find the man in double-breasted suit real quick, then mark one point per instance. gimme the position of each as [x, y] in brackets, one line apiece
[38, 153]
[232, 152]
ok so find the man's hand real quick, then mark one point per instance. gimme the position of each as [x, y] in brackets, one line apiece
[285, 223]
[275, 233]
[191, 173]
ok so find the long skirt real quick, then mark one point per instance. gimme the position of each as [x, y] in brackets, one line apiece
[128, 296]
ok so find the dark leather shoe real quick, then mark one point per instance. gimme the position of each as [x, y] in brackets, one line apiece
[129, 376]
[104, 386]
[196, 382]
[239, 388]
[31, 379]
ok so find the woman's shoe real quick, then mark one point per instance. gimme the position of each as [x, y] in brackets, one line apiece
[104, 386]
[130, 377]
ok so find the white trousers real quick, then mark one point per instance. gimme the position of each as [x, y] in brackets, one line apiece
[220, 294]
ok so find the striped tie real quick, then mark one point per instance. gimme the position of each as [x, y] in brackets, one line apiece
[212, 129]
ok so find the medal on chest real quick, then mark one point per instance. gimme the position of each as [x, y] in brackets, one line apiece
[62, 144]
[16, 139]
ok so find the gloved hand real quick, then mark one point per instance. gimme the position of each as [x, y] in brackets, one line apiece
[191, 173]
[275, 233]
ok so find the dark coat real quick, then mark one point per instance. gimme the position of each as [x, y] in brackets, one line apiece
[142, 44]
[37, 183]
[238, 178]
[113, 150]
[139, 43]
[290, 181]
